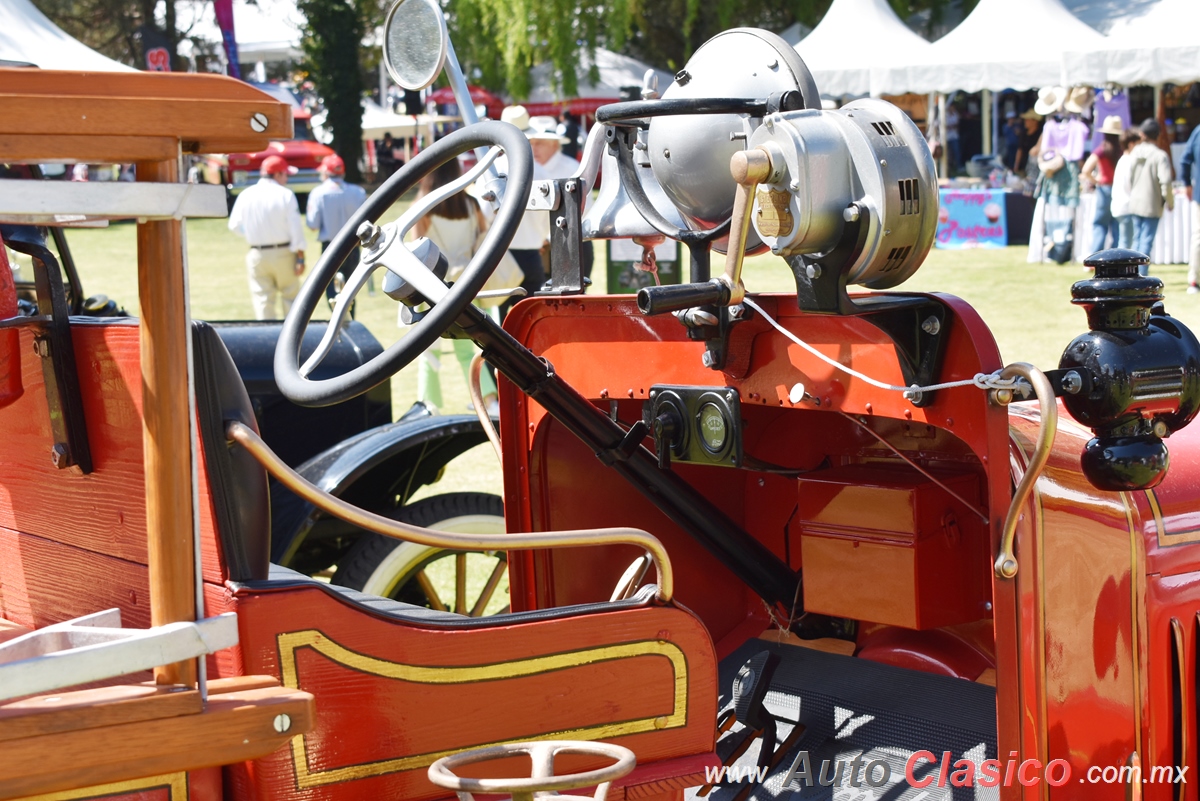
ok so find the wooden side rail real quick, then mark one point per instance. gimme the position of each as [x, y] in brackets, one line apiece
[90, 737]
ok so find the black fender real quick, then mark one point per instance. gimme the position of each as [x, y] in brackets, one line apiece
[379, 470]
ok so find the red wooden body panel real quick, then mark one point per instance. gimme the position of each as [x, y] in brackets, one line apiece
[392, 695]
[72, 544]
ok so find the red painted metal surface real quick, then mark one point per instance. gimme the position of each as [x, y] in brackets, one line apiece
[393, 695]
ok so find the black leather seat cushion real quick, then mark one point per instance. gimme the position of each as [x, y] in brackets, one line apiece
[282, 579]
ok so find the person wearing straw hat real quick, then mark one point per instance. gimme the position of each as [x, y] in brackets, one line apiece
[534, 231]
[547, 142]
[1098, 172]
[548, 163]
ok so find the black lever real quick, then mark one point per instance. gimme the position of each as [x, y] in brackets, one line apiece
[662, 299]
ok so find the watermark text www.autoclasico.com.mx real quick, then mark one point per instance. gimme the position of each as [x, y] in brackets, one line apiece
[924, 769]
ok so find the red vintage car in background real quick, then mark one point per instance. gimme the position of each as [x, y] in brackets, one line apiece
[302, 151]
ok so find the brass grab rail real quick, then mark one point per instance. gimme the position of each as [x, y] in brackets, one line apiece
[1006, 562]
[248, 439]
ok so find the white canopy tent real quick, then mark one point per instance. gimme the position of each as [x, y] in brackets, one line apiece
[793, 33]
[1002, 44]
[853, 38]
[615, 72]
[26, 35]
[1160, 45]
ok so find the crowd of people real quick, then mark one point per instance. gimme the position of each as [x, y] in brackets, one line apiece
[1079, 141]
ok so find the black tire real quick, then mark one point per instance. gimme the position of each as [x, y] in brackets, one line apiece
[361, 568]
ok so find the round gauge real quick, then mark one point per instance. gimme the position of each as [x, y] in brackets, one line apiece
[714, 428]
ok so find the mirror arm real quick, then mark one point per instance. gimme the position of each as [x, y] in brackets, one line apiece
[462, 96]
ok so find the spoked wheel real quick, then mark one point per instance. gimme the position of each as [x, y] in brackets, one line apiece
[473, 583]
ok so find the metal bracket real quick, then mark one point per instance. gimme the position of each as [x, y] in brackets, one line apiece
[57, 351]
[566, 240]
[95, 647]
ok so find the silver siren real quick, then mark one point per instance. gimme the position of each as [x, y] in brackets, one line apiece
[866, 161]
[690, 154]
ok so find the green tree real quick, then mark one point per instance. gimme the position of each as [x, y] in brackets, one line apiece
[498, 41]
[332, 41]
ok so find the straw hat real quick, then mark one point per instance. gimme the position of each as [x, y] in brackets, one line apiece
[532, 127]
[516, 115]
[1050, 99]
[1112, 125]
[1080, 98]
[1030, 115]
[544, 128]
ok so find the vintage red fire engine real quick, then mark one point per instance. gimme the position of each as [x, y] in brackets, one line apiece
[810, 545]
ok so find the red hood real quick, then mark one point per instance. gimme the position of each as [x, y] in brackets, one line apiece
[299, 153]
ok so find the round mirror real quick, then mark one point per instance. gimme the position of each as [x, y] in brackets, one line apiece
[415, 42]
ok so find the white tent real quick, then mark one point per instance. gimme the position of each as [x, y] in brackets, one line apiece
[853, 37]
[793, 33]
[616, 71]
[1002, 44]
[1161, 45]
[26, 35]
[376, 121]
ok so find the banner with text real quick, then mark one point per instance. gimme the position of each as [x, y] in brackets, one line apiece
[972, 218]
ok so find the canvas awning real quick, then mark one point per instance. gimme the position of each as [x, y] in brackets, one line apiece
[1002, 44]
[853, 37]
[28, 36]
[1159, 45]
[615, 72]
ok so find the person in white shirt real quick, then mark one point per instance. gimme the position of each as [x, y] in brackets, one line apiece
[547, 144]
[268, 216]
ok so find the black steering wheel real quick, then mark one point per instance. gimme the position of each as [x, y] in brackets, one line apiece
[309, 392]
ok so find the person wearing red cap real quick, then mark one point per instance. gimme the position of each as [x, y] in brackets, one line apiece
[330, 207]
[268, 216]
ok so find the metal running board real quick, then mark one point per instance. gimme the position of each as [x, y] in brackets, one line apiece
[853, 706]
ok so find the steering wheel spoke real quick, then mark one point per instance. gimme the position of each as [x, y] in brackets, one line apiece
[385, 247]
[405, 264]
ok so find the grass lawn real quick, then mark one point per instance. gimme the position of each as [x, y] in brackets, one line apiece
[1027, 305]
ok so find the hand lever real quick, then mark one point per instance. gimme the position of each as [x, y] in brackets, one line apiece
[749, 168]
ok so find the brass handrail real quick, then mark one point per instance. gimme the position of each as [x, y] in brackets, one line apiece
[1006, 562]
[248, 439]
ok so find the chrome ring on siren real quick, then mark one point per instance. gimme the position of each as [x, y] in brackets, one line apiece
[689, 155]
[866, 163]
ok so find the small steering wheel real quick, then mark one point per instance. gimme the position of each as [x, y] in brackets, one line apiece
[304, 391]
[542, 783]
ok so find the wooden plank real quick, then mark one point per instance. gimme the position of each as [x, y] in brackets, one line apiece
[237, 684]
[166, 441]
[44, 501]
[184, 120]
[114, 86]
[10, 629]
[90, 709]
[109, 200]
[234, 727]
[16, 147]
[44, 582]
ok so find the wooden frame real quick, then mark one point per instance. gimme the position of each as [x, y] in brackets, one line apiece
[151, 120]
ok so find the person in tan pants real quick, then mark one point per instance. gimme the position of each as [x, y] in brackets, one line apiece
[268, 216]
